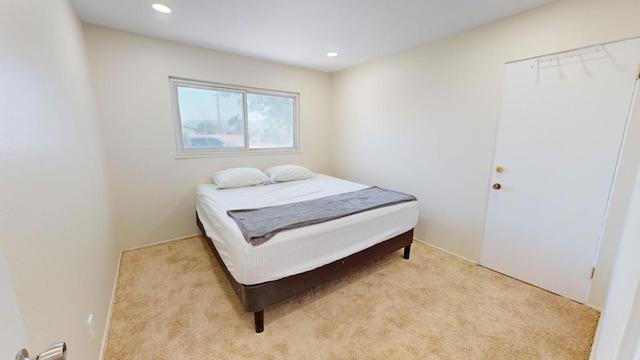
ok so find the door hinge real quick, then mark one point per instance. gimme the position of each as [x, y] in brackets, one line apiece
[593, 271]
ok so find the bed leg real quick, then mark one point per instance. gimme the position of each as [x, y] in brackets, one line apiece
[407, 251]
[258, 316]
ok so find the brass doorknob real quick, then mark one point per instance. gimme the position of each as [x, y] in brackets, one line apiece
[497, 186]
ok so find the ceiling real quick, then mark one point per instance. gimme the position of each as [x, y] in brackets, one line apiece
[301, 32]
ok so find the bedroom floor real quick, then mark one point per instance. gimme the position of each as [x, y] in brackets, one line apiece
[174, 302]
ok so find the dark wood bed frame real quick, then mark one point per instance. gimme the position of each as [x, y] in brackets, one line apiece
[255, 298]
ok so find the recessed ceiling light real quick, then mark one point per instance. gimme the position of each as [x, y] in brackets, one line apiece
[161, 8]
[332, 54]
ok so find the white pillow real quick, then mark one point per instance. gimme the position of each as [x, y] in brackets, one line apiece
[239, 177]
[283, 173]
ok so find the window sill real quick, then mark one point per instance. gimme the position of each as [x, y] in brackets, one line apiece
[243, 152]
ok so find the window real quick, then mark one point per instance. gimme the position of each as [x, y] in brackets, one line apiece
[215, 119]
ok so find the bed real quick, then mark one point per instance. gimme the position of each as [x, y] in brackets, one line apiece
[296, 260]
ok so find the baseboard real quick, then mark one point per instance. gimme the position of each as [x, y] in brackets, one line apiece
[160, 242]
[446, 251]
[597, 334]
[596, 308]
[107, 325]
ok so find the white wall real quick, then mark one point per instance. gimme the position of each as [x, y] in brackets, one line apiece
[153, 192]
[55, 220]
[424, 121]
[621, 316]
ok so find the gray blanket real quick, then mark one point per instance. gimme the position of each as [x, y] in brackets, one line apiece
[260, 225]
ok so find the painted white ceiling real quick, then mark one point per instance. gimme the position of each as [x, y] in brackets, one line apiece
[301, 32]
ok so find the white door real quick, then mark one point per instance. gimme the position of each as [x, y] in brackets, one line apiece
[560, 129]
[12, 335]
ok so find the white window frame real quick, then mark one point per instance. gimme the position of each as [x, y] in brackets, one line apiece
[174, 82]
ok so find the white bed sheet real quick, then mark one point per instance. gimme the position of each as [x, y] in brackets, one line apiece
[294, 251]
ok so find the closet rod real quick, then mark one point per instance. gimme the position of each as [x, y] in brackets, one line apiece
[575, 50]
[571, 53]
[566, 54]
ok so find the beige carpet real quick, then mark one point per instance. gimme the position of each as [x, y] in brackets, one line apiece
[173, 302]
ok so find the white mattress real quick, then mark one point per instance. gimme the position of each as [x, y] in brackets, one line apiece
[294, 251]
